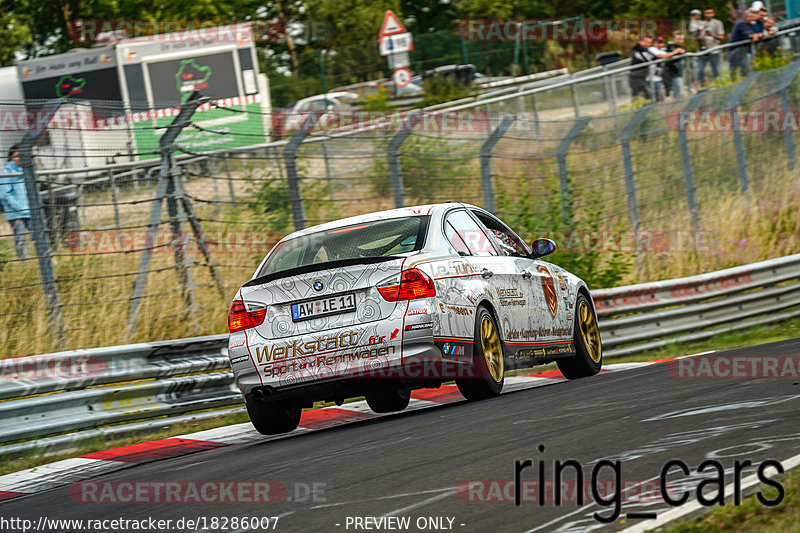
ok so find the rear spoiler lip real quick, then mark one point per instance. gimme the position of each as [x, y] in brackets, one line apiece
[320, 266]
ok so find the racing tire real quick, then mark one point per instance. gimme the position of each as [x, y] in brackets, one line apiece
[488, 366]
[588, 358]
[389, 399]
[272, 418]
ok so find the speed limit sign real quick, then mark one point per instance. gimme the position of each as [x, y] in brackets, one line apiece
[402, 77]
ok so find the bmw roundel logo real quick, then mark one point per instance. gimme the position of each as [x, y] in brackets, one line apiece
[318, 286]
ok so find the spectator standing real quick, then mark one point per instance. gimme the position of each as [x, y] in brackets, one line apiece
[658, 72]
[708, 33]
[744, 32]
[14, 200]
[638, 76]
[673, 69]
[695, 22]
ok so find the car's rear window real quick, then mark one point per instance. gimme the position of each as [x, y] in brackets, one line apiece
[377, 238]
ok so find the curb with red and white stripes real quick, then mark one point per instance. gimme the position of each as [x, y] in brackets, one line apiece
[58, 473]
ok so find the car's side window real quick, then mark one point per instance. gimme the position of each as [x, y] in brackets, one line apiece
[508, 241]
[455, 239]
[471, 233]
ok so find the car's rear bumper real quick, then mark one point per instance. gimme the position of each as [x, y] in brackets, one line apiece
[415, 361]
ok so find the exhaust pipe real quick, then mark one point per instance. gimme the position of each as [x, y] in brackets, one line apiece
[263, 393]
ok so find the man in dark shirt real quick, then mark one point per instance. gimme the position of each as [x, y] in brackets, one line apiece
[638, 76]
[744, 32]
[673, 73]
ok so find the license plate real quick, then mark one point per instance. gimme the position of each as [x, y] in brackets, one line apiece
[331, 305]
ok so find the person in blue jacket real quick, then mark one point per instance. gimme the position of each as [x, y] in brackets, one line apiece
[14, 201]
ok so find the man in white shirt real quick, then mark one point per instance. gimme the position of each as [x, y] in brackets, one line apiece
[708, 33]
[657, 51]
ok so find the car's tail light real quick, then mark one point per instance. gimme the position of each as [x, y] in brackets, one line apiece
[413, 284]
[239, 317]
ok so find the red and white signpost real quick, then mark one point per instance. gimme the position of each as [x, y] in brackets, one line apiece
[395, 42]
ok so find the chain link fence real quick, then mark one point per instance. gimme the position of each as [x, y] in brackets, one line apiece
[153, 245]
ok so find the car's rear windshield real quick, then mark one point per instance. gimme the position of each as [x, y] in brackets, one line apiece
[377, 238]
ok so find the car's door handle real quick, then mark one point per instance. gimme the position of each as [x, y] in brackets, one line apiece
[527, 275]
[487, 273]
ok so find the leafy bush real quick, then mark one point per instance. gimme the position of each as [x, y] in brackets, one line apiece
[579, 249]
[440, 89]
[430, 170]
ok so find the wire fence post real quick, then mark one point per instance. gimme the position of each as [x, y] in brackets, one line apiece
[738, 141]
[214, 177]
[168, 177]
[41, 239]
[486, 167]
[630, 183]
[292, 179]
[177, 220]
[686, 159]
[394, 166]
[114, 193]
[627, 161]
[788, 135]
[563, 176]
[231, 193]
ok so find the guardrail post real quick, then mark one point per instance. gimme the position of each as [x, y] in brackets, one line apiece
[783, 85]
[630, 184]
[486, 155]
[561, 157]
[738, 141]
[610, 90]
[686, 161]
[575, 104]
[394, 166]
[40, 234]
[292, 179]
[535, 114]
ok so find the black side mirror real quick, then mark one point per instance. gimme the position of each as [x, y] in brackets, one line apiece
[542, 247]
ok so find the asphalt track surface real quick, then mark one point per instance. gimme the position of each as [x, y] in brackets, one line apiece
[412, 464]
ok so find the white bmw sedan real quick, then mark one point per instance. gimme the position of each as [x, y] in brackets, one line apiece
[380, 304]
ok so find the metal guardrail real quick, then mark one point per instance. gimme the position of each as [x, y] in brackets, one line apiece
[100, 386]
[646, 316]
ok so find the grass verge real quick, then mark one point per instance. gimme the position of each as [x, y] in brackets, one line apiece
[751, 515]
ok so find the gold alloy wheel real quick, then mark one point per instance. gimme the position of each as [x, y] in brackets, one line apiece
[589, 331]
[492, 350]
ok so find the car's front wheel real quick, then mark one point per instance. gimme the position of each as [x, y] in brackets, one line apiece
[273, 418]
[588, 356]
[488, 367]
